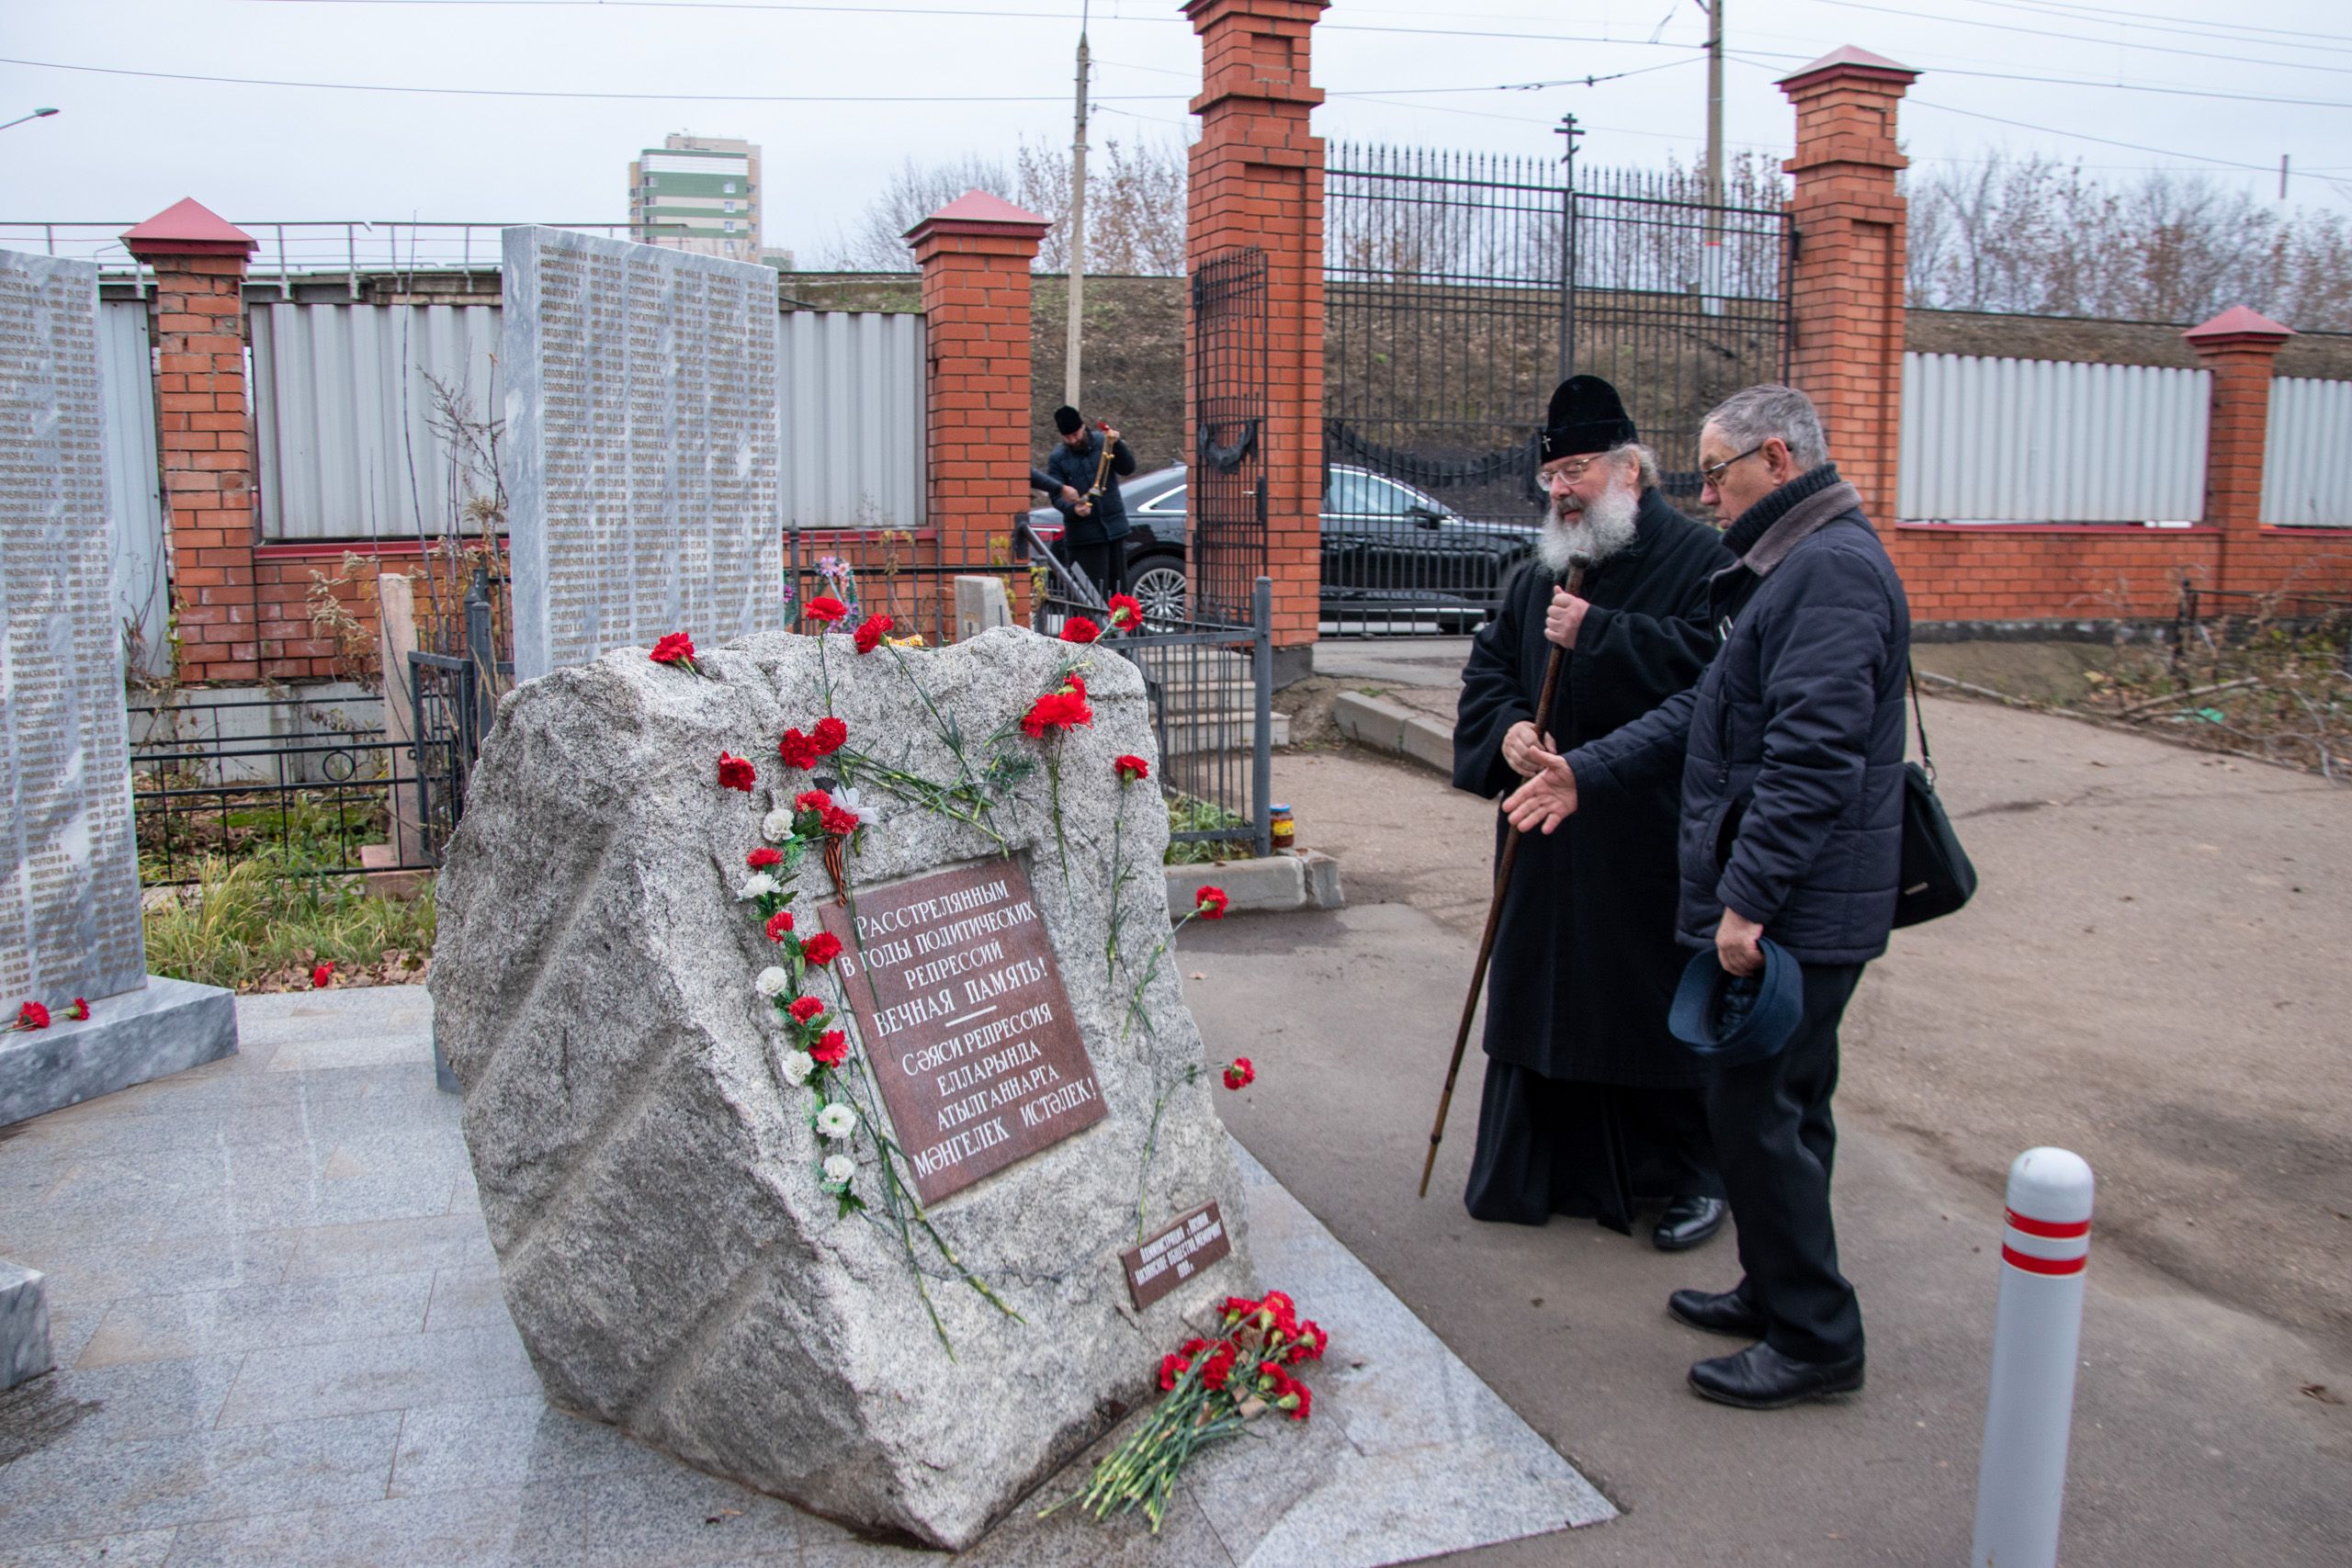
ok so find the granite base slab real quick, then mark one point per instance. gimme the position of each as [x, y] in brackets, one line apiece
[165, 1027]
[23, 1325]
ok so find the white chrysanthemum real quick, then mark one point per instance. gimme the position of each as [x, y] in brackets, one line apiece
[797, 1066]
[773, 981]
[837, 1120]
[776, 826]
[839, 1168]
[759, 885]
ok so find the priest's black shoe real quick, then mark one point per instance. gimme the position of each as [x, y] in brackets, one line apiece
[1718, 1312]
[1760, 1378]
[1686, 1222]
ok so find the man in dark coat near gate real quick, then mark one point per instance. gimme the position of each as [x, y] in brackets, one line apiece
[1590, 1107]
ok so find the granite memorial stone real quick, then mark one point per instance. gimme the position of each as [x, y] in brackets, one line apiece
[650, 1176]
[643, 429]
[69, 901]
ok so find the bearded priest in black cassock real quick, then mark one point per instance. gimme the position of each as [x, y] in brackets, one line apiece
[1591, 1108]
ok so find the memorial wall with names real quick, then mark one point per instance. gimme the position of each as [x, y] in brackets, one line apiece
[642, 442]
[69, 901]
[960, 1005]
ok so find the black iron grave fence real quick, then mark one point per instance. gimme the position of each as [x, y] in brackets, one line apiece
[1458, 290]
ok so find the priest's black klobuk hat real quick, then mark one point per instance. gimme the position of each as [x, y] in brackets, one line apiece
[1586, 415]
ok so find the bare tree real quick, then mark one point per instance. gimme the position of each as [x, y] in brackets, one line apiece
[1134, 206]
[915, 192]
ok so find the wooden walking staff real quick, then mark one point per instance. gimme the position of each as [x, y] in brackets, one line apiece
[1552, 668]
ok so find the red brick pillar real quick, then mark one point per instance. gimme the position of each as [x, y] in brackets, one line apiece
[1845, 285]
[205, 431]
[975, 254]
[1257, 179]
[2237, 347]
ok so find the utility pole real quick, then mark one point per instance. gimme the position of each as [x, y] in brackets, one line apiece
[1711, 254]
[1077, 230]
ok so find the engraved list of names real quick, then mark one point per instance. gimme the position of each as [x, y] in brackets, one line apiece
[69, 901]
[953, 982]
[642, 438]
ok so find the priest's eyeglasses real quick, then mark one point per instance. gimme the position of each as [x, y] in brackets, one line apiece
[1713, 473]
[1569, 470]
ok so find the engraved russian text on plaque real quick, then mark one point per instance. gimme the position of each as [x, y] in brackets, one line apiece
[1174, 1253]
[644, 438]
[952, 980]
[69, 860]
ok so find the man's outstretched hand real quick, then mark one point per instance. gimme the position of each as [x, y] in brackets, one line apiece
[1549, 796]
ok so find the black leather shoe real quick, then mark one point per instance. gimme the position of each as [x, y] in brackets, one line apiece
[1760, 1378]
[1687, 1222]
[1718, 1312]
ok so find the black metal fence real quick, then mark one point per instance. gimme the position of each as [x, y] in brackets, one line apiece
[1227, 500]
[1458, 290]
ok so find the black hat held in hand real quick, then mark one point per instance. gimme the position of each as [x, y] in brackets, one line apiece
[1067, 421]
[1586, 415]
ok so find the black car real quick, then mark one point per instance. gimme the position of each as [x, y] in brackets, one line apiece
[1390, 553]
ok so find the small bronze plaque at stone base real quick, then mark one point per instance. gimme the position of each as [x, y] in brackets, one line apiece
[1167, 1257]
[958, 1000]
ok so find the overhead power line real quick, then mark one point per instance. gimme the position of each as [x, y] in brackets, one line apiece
[1768, 61]
[2142, 47]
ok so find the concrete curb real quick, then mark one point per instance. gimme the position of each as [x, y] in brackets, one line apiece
[1391, 727]
[1277, 884]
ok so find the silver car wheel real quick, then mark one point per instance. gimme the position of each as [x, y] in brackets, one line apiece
[1159, 589]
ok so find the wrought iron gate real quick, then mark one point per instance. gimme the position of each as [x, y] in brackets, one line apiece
[1227, 502]
[1458, 290]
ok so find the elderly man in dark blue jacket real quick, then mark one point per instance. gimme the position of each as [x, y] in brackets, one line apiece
[1791, 751]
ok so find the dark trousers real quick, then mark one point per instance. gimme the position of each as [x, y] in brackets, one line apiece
[1593, 1151]
[1775, 1142]
[1105, 563]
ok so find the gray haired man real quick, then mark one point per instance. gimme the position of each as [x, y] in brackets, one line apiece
[1791, 754]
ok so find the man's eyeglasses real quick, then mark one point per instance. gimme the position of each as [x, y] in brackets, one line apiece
[1713, 473]
[1571, 470]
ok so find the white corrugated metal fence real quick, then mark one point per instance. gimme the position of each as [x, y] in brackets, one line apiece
[2051, 441]
[2307, 454]
[141, 590]
[347, 449]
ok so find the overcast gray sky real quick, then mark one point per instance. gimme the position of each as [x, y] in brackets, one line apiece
[2187, 84]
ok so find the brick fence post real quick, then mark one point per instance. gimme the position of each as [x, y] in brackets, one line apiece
[1845, 284]
[2238, 347]
[975, 254]
[205, 435]
[1257, 179]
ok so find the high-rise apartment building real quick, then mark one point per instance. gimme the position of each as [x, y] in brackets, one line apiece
[699, 193]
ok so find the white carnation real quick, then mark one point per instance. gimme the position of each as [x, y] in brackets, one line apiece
[756, 885]
[776, 826]
[839, 1168]
[797, 1066]
[773, 981]
[837, 1120]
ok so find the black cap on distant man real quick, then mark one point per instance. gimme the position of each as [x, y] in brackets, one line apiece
[1068, 420]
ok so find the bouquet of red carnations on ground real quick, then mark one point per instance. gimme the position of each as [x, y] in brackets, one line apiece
[1214, 1388]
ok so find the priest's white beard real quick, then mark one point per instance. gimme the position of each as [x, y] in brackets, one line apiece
[1590, 534]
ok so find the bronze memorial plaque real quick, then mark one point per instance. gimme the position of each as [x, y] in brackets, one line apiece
[1173, 1254]
[952, 980]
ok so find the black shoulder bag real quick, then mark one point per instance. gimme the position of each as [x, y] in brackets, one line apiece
[1937, 877]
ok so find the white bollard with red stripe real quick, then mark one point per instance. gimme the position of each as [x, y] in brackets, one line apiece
[2037, 1330]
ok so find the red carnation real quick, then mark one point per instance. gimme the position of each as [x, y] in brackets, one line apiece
[830, 1050]
[1077, 628]
[779, 924]
[321, 975]
[79, 1010]
[762, 858]
[825, 608]
[1240, 1075]
[1170, 1369]
[838, 821]
[822, 948]
[1130, 768]
[1311, 1341]
[1302, 1394]
[1193, 1346]
[1126, 614]
[803, 1009]
[1219, 1367]
[1209, 903]
[797, 750]
[734, 772]
[870, 632]
[32, 1015]
[829, 734]
[1066, 709]
[675, 648]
